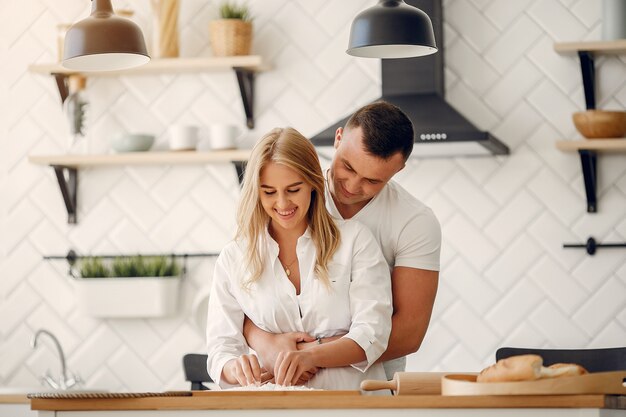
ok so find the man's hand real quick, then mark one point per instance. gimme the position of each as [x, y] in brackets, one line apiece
[245, 370]
[268, 345]
[291, 366]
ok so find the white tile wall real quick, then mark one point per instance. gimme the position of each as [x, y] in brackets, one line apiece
[505, 278]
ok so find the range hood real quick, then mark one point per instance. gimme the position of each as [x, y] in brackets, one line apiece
[416, 85]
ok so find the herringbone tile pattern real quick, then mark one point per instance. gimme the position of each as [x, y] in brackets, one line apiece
[505, 278]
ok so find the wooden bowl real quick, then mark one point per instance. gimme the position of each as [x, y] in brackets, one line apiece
[600, 124]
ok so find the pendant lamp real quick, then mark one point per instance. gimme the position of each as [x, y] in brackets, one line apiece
[104, 42]
[391, 29]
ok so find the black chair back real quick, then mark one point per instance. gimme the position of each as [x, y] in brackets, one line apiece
[593, 360]
[194, 365]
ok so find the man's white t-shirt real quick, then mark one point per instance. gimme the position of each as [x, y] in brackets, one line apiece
[407, 231]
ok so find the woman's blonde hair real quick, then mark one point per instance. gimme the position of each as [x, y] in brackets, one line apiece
[285, 146]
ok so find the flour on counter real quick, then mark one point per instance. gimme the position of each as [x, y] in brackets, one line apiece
[271, 387]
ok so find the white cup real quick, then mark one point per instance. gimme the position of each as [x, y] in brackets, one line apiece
[222, 136]
[183, 137]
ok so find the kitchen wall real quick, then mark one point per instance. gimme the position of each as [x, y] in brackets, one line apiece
[505, 279]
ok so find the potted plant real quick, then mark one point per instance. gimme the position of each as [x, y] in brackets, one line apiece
[133, 286]
[231, 34]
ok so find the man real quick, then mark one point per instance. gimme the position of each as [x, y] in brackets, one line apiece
[375, 145]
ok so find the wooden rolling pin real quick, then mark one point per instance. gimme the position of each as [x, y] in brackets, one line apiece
[408, 383]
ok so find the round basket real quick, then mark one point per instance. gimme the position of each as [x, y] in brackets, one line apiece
[230, 37]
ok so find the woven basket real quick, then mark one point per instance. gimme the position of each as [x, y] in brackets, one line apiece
[230, 37]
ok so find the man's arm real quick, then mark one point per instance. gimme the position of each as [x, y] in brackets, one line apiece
[414, 292]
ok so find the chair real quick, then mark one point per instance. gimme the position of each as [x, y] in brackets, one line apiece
[594, 360]
[194, 365]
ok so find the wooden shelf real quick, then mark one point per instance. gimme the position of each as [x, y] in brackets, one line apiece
[600, 145]
[66, 166]
[141, 158]
[602, 47]
[166, 65]
[245, 67]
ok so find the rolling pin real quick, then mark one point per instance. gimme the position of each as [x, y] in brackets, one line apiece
[408, 383]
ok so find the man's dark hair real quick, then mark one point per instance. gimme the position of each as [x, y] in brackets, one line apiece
[386, 129]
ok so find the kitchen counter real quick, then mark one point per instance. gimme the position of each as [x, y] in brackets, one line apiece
[344, 403]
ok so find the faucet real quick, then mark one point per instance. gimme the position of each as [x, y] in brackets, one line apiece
[64, 382]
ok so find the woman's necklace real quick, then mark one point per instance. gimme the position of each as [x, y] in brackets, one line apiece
[286, 268]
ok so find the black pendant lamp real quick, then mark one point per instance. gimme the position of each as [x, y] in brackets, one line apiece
[104, 42]
[391, 29]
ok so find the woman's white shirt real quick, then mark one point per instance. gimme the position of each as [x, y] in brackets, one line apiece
[358, 303]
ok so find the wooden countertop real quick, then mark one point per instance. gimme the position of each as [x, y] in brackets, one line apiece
[238, 400]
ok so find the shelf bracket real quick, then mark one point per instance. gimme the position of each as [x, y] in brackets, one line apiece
[588, 160]
[61, 80]
[245, 79]
[587, 68]
[240, 166]
[69, 186]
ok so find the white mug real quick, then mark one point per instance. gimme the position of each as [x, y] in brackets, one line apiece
[222, 136]
[183, 137]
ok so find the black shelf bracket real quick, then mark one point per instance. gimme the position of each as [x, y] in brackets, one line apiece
[588, 71]
[591, 245]
[240, 166]
[588, 161]
[68, 183]
[245, 79]
[62, 85]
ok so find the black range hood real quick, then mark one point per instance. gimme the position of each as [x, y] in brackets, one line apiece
[416, 85]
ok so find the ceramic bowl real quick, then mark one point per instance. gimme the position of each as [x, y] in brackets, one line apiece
[600, 124]
[132, 142]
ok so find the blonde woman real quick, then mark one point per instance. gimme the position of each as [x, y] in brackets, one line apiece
[293, 268]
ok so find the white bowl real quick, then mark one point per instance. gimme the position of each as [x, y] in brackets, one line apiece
[132, 142]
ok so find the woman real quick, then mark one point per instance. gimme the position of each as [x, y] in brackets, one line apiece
[293, 268]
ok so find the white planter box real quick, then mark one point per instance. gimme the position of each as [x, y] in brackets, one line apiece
[128, 297]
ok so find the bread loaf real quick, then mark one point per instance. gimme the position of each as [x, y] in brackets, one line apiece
[562, 369]
[527, 368]
[515, 368]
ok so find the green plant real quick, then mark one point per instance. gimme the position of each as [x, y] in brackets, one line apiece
[130, 266]
[232, 10]
[93, 268]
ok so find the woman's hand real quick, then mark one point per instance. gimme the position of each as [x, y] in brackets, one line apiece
[245, 370]
[291, 366]
[273, 344]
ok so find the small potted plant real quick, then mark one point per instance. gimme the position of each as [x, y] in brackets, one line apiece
[133, 286]
[231, 34]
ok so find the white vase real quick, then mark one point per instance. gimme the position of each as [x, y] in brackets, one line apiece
[613, 19]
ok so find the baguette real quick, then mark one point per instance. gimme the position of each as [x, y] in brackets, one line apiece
[514, 368]
[527, 368]
[562, 369]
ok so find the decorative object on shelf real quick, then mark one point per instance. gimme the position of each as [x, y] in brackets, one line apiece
[391, 29]
[134, 286]
[132, 142]
[613, 19]
[222, 136]
[600, 124]
[165, 28]
[104, 42]
[183, 137]
[232, 33]
[591, 245]
[75, 106]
